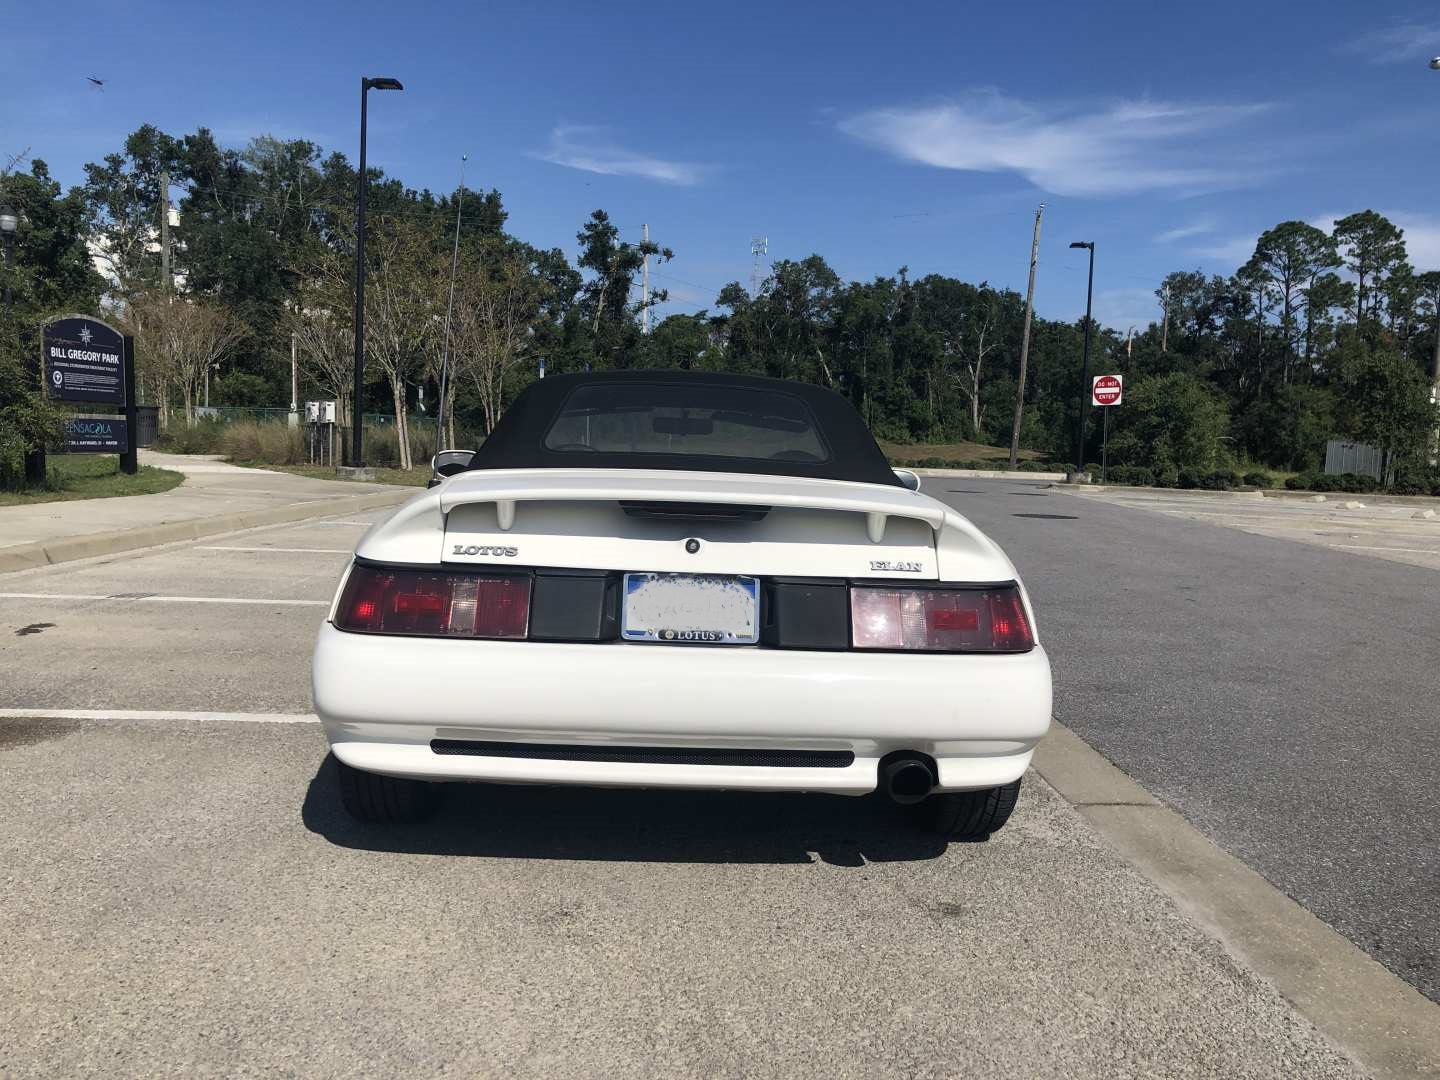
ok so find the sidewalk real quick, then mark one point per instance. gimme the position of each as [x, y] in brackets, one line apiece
[215, 497]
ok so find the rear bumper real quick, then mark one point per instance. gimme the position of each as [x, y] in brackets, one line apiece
[383, 699]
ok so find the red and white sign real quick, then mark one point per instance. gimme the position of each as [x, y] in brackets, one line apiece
[1106, 390]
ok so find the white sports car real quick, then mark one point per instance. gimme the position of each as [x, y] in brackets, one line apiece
[681, 579]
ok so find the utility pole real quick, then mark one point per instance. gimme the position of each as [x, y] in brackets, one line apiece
[1025, 339]
[759, 246]
[440, 442]
[1165, 322]
[165, 230]
[645, 283]
[294, 384]
[1085, 363]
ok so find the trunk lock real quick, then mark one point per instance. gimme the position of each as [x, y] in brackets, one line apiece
[692, 546]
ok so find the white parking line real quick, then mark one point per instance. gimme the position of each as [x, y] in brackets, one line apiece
[159, 714]
[316, 524]
[1381, 547]
[298, 551]
[150, 598]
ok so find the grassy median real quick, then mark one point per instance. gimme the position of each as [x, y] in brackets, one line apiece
[91, 476]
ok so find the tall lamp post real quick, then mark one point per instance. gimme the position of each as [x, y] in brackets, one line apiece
[1085, 363]
[362, 181]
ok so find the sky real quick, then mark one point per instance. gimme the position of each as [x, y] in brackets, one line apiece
[921, 135]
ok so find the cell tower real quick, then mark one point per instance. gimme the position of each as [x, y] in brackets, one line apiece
[759, 245]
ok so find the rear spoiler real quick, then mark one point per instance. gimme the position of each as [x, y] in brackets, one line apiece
[507, 489]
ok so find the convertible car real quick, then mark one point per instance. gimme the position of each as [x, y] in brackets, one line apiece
[682, 580]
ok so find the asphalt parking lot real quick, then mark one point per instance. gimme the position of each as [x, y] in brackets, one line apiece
[183, 895]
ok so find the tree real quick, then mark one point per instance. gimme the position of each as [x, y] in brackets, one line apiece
[1373, 248]
[614, 264]
[1387, 401]
[1289, 257]
[404, 312]
[124, 200]
[495, 307]
[1172, 420]
[186, 339]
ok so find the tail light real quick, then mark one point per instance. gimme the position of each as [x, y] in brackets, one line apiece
[940, 620]
[383, 601]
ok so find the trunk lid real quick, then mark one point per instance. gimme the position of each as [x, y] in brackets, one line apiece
[646, 520]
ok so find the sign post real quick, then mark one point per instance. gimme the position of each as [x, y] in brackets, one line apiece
[86, 360]
[1105, 392]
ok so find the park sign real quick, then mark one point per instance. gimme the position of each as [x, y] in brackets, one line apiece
[96, 435]
[84, 361]
[1106, 390]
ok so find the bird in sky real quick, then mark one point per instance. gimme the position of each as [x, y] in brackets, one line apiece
[98, 83]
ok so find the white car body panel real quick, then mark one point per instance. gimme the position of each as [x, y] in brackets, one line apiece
[382, 699]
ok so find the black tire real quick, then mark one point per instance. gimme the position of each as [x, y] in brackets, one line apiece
[970, 815]
[386, 800]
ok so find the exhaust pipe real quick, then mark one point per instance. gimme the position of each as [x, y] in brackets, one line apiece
[906, 780]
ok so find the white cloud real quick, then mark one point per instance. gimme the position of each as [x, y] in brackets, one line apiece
[1232, 252]
[1184, 232]
[1117, 149]
[590, 149]
[1121, 309]
[1396, 43]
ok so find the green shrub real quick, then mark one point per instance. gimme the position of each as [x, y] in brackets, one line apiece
[1190, 478]
[202, 437]
[1167, 476]
[1259, 480]
[1301, 481]
[1221, 480]
[1134, 475]
[1037, 466]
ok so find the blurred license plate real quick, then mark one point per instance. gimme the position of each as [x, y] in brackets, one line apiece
[693, 609]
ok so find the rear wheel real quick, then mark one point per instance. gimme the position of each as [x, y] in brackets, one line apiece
[386, 800]
[969, 815]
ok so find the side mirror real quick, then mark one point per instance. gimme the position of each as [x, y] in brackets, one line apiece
[909, 479]
[448, 463]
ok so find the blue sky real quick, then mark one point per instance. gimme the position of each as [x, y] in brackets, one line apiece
[913, 134]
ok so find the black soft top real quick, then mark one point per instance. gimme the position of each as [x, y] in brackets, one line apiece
[691, 420]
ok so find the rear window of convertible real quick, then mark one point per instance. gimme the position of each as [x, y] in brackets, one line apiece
[705, 420]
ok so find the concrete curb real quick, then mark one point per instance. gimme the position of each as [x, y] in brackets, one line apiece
[988, 474]
[31, 556]
[1096, 489]
[1380, 1021]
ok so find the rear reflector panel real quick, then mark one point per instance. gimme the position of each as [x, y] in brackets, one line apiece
[410, 602]
[939, 620]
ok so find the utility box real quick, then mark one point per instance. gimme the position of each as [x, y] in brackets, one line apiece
[312, 412]
[327, 412]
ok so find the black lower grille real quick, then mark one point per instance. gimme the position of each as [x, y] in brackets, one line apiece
[649, 755]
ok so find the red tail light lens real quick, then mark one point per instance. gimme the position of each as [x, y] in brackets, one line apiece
[380, 601]
[940, 620]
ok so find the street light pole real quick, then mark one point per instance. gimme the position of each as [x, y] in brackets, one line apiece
[1085, 363]
[362, 181]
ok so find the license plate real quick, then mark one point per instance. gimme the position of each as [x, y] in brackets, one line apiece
[693, 609]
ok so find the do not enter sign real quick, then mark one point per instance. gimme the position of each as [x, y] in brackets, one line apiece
[1106, 390]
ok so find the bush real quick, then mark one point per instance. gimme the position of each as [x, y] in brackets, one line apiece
[1300, 482]
[1037, 466]
[1259, 480]
[1167, 476]
[267, 443]
[1139, 476]
[202, 437]
[1220, 480]
[1189, 478]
